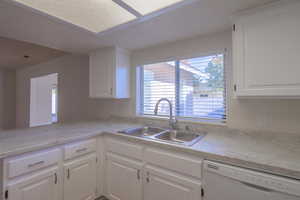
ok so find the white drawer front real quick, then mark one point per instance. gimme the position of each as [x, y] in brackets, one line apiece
[125, 148]
[79, 148]
[30, 162]
[182, 163]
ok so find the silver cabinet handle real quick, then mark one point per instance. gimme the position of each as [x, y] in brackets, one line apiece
[81, 150]
[215, 167]
[55, 178]
[68, 173]
[138, 174]
[147, 178]
[36, 163]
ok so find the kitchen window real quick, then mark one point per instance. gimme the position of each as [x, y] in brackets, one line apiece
[196, 88]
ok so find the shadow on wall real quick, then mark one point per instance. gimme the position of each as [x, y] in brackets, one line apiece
[7, 99]
[73, 87]
[104, 108]
[280, 115]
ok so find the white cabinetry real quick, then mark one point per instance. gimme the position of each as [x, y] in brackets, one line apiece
[80, 178]
[266, 48]
[123, 169]
[171, 175]
[129, 171]
[39, 186]
[135, 172]
[110, 73]
[44, 175]
[33, 176]
[123, 178]
[162, 184]
[100, 166]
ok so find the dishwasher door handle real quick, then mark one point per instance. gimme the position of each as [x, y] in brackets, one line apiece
[257, 187]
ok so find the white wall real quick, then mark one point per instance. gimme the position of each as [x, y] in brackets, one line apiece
[72, 88]
[176, 50]
[1, 99]
[74, 104]
[7, 99]
[256, 114]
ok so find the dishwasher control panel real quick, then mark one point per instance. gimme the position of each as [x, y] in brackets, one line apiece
[268, 181]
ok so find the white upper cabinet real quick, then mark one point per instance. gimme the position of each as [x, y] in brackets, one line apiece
[110, 73]
[266, 50]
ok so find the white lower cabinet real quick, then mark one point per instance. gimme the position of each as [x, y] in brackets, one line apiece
[163, 184]
[150, 173]
[42, 185]
[123, 178]
[80, 178]
[45, 175]
[128, 171]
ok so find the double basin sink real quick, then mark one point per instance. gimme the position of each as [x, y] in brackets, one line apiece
[185, 138]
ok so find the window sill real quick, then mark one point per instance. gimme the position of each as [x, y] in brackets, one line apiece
[186, 120]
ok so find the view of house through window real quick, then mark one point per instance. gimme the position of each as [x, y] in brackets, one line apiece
[43, 100]
[196, 87]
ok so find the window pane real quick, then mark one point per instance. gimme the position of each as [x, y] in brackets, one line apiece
[202, 91]
[54, 104]
[158, 82]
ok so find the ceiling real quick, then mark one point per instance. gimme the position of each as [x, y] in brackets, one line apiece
[197, 17]
[147, 7]
[16, 54]
[94, 16]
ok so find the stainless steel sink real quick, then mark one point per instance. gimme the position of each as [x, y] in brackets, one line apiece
[180, 137]
[143, 131]
[186, 138]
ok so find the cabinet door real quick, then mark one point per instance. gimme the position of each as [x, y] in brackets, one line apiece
[162, 185]
[102, 64]
[123, 178]
[80, 179]
[40, 186]
[266, 50]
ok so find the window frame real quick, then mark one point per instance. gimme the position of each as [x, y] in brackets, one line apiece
[176, 60]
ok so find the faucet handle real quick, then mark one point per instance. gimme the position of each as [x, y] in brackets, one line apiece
[173, 123]
[187, 128]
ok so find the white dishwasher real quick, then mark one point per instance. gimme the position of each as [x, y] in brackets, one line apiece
[226, 182]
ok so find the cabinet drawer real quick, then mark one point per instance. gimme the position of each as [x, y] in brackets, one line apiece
[23, 164]
[180, 162]
[79, 148]
[125, 148]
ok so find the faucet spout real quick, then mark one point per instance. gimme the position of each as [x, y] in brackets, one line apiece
[172, 120]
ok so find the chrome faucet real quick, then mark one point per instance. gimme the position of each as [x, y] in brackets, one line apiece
[172, 120]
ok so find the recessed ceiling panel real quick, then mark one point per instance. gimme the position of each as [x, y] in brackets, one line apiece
[93, 15]
[147, 6]
[16, 54]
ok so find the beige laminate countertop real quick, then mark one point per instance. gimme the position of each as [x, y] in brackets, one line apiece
[270, 152]
[17, 141]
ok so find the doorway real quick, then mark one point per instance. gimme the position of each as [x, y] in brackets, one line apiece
[43, 100]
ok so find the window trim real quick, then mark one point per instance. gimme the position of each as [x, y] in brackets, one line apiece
[140, 83]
